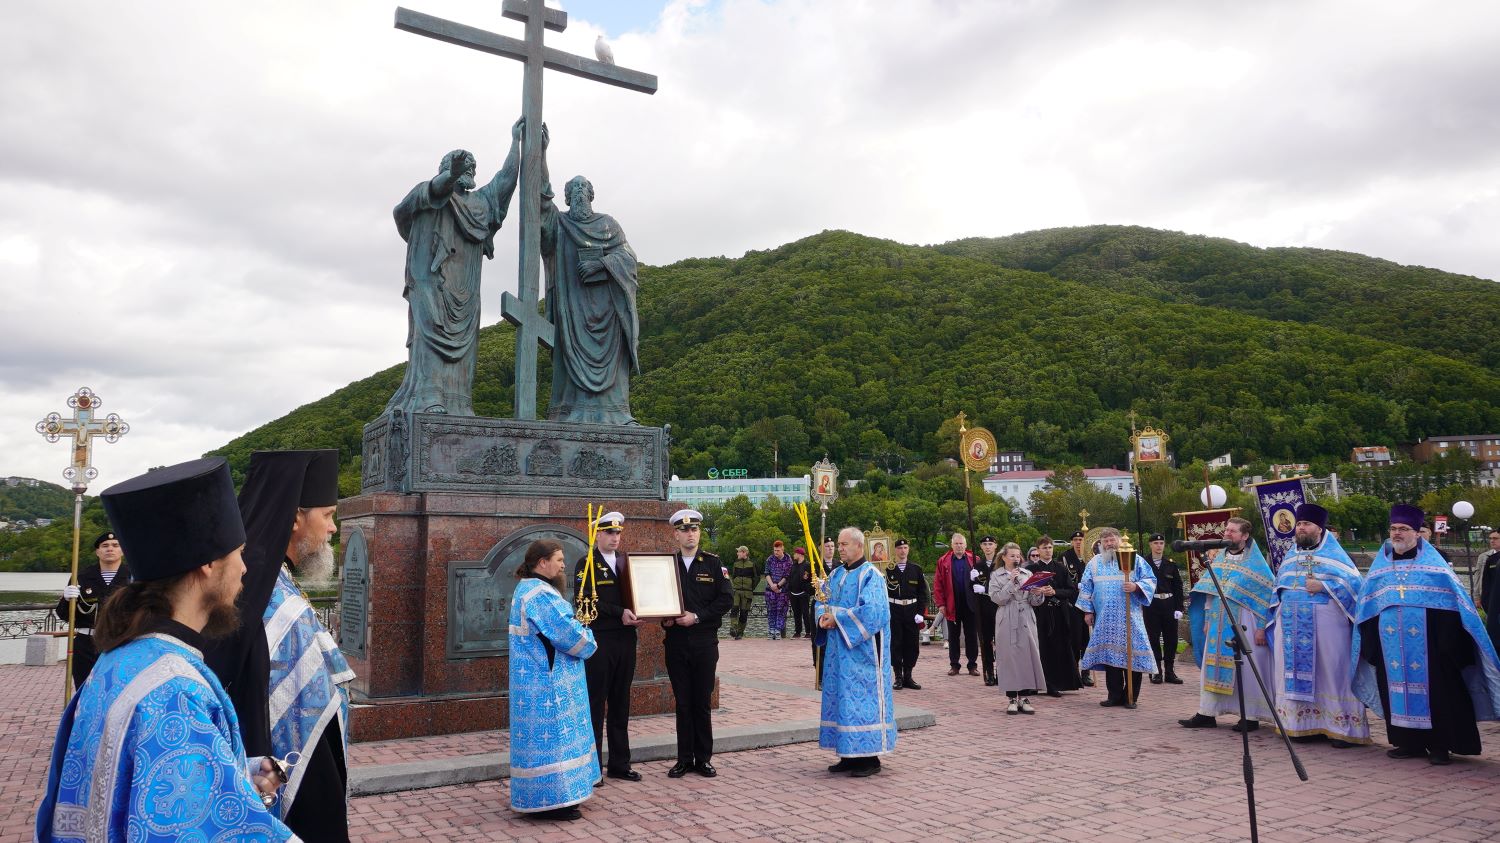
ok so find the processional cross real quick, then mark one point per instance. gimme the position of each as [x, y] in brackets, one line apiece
[521, 311]
[82, 429]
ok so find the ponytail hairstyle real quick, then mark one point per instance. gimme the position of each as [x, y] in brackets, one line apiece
[133, 611]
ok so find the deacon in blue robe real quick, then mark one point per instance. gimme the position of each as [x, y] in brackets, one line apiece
[859, 721]
[149, 749]
[1312, 622]
[1423, 661]
[1113, 613]
[1250, 586]
[553, 763]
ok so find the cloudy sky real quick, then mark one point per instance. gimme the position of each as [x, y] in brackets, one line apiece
[195, 197]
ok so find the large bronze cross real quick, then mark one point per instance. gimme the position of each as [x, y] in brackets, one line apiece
[521, 310]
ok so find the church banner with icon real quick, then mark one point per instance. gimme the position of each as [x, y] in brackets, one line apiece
[1199, 526]
[1278, 501]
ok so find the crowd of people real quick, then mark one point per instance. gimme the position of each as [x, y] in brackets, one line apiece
[207, 677]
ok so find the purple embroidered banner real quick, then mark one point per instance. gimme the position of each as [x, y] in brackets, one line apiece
[1277, 501]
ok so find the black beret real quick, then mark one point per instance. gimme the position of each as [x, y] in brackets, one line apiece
[103, 537]
[990, 539]
[1158, 537]
[901, 543]
[1077, 534]
[175, 519]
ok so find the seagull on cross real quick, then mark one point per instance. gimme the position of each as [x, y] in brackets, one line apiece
[602, 50]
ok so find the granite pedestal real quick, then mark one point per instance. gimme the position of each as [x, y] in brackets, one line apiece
[431, 548]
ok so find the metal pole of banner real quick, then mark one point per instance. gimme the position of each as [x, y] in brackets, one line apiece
[73, 580]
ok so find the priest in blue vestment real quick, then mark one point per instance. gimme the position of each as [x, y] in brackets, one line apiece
[859, 720]
[553, 761]
[1250, 586]
[1312, 622]
[149, 748]
[282, 669]
[1111, 604]
[1423, 661]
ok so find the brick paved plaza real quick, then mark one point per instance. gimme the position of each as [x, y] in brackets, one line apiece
[1074, 771]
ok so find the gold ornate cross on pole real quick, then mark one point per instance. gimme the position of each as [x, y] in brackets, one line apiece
[521, 310]
[81, 428]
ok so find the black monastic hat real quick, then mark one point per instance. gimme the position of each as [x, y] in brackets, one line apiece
[174, 519]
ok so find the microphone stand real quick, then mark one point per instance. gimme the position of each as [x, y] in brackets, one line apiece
[1240, 649]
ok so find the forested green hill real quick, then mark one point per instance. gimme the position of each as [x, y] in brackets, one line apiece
[861, 348]
[44, 500]
[1453, 315]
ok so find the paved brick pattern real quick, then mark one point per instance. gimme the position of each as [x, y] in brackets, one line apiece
[1073, 771]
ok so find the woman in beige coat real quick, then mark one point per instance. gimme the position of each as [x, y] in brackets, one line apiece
[1018, 660]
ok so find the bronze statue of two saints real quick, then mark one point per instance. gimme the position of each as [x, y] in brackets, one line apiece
[449, 226]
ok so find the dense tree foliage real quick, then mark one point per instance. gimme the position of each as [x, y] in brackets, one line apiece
[862, 349]
[1452, 315]
[44, 500]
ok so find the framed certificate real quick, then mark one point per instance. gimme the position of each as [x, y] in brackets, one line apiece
[655, 590]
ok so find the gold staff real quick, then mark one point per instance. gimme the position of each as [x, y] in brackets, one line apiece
[588, 590]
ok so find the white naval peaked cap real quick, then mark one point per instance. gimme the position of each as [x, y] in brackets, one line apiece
[686, 518]
[610, 521]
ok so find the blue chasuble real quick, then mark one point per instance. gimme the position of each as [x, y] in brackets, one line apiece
[1249, 584]
[858, 717]
[1292, 627]
[1100, 592]
[1399, 592]
[149, 749]
[308, 674]
[552, 759]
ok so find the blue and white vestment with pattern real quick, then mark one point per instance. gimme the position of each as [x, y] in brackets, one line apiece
[149, 749]
[1102, 593]
[858, 713]
[308, 675]
[553, 763]
[1399, 592]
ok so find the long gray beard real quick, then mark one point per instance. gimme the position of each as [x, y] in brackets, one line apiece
[581, 210]
[314, 564]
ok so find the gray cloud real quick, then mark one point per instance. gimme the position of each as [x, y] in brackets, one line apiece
[195, 198]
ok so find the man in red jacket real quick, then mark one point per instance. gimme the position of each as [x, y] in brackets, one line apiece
[953, 581]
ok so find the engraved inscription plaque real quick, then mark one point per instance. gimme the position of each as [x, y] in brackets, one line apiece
[479, 593]
[354, 594]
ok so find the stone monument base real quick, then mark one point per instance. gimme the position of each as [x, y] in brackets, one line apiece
[428, 578]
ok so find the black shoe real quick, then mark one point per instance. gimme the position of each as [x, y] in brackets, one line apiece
[866, 770]
[1246, 726]
[1156, 679]
[1403, 752]
[1110, 701]
[1130, 706]
[679, 769]
[1053, 693]
[627, 775]
[1439, 758]
[1199, 721]
[569, 813]
[1171, 678]
[1338, 744]
[1086, 680]
[706, 770]
[844, 766]
[911, 684]
[895, 686]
